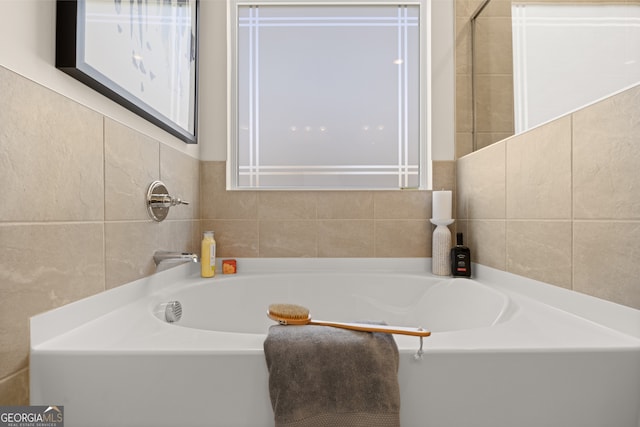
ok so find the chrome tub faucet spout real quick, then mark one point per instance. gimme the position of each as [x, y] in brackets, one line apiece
[168, 257]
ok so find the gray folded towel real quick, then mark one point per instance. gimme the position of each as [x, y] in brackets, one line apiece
[323, 376]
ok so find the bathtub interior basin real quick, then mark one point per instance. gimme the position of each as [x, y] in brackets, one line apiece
[436, 304]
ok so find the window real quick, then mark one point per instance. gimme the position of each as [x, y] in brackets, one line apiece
[328, 96]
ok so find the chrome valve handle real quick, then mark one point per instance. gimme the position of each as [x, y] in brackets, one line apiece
[159, 201]
[165, 201]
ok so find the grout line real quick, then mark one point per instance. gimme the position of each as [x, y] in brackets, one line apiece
[258, 221]
[573, 251]
[506, 219]
[104, 202]
[62, 222]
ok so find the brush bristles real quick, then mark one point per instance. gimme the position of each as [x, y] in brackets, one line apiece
[289, 311]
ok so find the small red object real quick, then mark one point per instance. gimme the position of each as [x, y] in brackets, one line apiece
[229, 266]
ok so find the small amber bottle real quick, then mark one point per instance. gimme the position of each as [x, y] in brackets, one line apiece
[460, 259]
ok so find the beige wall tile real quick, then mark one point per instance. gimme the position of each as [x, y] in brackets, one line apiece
[498, 8]
[481, 184]
[486, 239]
[463, 45]
[484, 139]
[51, 155]
[234, 238]
[132, 162]
[180, 236]
[345, 238]
[14, 389]
[279, 205]
[465, 8]
[345, 204]
[494, 103]
[129, 250]
[605, 260]
[181, 174]
[606, 155]
[539, 172]
[407, 204]
[494, 53]
[43, 267]
[464, 109]
[444, 175]
[236, 205]
[402, 238]
[464, 144]
[540, 250]
[212, 187]
[217, 202]
[288, 238]
[460, 226]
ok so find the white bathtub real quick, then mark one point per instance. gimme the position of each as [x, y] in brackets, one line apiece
[505, 351]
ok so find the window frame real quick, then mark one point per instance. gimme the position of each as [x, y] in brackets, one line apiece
[425, 96]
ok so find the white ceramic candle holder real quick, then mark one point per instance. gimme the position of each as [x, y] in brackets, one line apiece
[441, 247]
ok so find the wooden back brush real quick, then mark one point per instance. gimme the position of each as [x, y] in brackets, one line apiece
[292, 314]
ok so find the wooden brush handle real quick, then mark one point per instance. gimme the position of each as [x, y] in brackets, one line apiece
[366, 327]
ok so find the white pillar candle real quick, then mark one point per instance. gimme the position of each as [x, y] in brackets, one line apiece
[442, 204]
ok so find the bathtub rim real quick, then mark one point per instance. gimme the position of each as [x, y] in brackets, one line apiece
[619, 317]
[51, 324]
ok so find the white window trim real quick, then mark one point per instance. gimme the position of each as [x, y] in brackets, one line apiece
[426, 92]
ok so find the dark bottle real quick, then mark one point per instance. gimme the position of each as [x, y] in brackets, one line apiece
[460, 259]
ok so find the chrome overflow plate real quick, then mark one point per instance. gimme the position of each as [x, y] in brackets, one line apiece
[169, 312]
[173, 311]
[159, 201]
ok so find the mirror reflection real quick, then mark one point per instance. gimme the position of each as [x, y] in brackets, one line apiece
[535, 61]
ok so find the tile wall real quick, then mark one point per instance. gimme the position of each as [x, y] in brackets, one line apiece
[318, 223]
[73, 220]
[561, 203]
